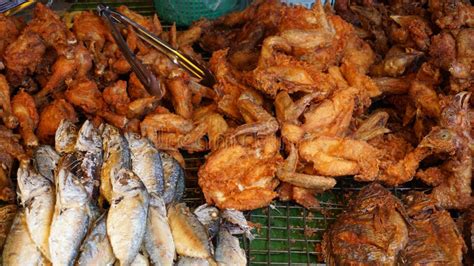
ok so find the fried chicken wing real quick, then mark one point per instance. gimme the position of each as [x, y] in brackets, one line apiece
[181, 97]
[24, 109]
[51, 116]
[241, 177]
[433, 235]
[372, 231]
[141, 107]
[8, 118]
[9, 143]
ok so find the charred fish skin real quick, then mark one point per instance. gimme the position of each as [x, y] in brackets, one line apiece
[19, 248]
[96, 248]
[189, 235]
[126, 220]
[116, 157]
[89, 146]
[45, 161]
[38, 199]
[146, 162]
[174, 178]
[65, 138]
[237, 223]
[7, 215]
[71, 215]
[158, 240]
[228, 251]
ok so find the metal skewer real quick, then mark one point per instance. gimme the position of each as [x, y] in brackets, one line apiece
[194, 68]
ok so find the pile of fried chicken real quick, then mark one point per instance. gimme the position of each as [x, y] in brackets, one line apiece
[378, 91]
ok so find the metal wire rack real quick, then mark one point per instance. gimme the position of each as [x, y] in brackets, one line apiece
[286, 234]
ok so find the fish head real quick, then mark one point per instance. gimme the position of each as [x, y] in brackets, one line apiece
[125, 181]
[66, 136]
[89, 139]
[30, 182]
[135, 141]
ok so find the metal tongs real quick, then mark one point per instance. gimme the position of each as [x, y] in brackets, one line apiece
[144, 74]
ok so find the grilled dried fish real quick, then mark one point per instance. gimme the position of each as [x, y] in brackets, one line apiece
[158, 240]
[71, 215]
[209, 216]
[228, 251]
[96, 248]
[190, 236]
[66, 136]
[140, 260]
[45, 161]
[173, 175]
[146, 162]
[37, 197]
[19, 248]
[189, 261]
[7, 214]
[116, 157]
[126, 220]
[89, 145]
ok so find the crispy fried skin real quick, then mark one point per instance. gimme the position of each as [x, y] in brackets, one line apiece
[24, 109]
[116, 97]
[84, 93]
[241, 176]
[51, 116]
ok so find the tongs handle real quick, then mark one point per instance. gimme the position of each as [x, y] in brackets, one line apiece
[202, 73]
[145, 76]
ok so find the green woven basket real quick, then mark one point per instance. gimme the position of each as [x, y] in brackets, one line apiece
[184, 12]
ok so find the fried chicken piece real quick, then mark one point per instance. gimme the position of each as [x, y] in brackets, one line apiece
[180, 93]
[303, 196]
[466, 226]
[8, 32]
[287, 172]
[165, 130]
[207, 123]
[119, 121]
[422, 90]
[51, 116]
[92, 31]
[455, 191]
[396, 62]
[65, 69]
[333, 156]
[141, 107]
[145, 22]
[258, 121]
[372, 231]
[451, 14]
[23, 56]
[372, 127]
[116, 97]
[9, 143]
[414, 32]
[8, 119]
[433, 235]
[47, 24]
[241, 176]
[393, 85]
[136, 90]
[84, 93]
[24, 109]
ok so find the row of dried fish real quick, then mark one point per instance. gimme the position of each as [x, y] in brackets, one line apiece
[379, 229]
[64, 193]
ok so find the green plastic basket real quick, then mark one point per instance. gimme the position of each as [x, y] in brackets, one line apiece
[185, 12]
